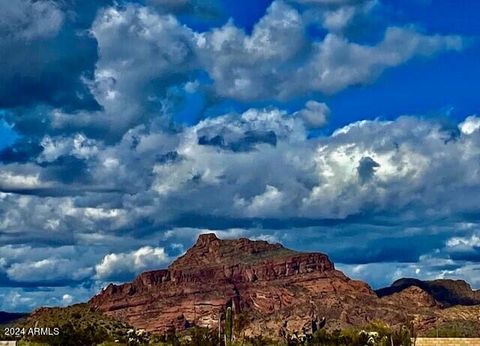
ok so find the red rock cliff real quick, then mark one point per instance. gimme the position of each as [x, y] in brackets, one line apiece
[265, 281]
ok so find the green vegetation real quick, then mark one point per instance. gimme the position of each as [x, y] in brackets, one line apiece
[83, 326]
[101, 330]
[456, 329]
[376, 333]
[207, 337]
[76, 325]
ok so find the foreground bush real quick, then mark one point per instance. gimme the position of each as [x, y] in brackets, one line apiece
[375, 334]
[80, 325]
[456, 329]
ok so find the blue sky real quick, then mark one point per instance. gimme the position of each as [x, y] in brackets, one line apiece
[344, 126]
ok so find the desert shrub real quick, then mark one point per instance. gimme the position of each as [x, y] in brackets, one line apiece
[455, 329]
[71, 335]
[197, 336]
[202, 337]
[240, 323]
[78, 325]
[375, 333]
[322, 337]
[258, 341]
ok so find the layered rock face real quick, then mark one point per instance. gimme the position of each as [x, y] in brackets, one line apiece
[265, 281]
[268, 285]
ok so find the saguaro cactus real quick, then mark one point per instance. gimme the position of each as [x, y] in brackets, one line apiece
[220, 317]
[228, 326]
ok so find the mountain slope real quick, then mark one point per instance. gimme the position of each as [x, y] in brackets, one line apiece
[263, 281]
[79, 324]
[8, 317]
[445, 291]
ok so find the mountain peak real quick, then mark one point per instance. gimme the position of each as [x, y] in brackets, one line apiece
[446, 291]
[256, 277]
[269, 284]
[209, 250]
[207, 238]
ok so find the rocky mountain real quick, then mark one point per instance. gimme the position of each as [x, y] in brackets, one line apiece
[266, 282]
[445, 291]
[8, 317]
[266, 285]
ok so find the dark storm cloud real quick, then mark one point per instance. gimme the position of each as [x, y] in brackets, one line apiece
[46, 51]
[201, 9]
[23, 151]
[387, 249]
[472, 256]
[366, 168]
[466, 247]
[67, 170]
[245, 142]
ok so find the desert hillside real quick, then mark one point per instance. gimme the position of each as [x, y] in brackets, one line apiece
[269, 286]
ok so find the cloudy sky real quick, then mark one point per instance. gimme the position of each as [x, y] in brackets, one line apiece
[127, 128]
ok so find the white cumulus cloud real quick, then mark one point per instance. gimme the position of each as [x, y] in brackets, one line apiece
[117, 265]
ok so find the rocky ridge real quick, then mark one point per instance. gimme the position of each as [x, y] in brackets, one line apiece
[264, 283]
[446, 292]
